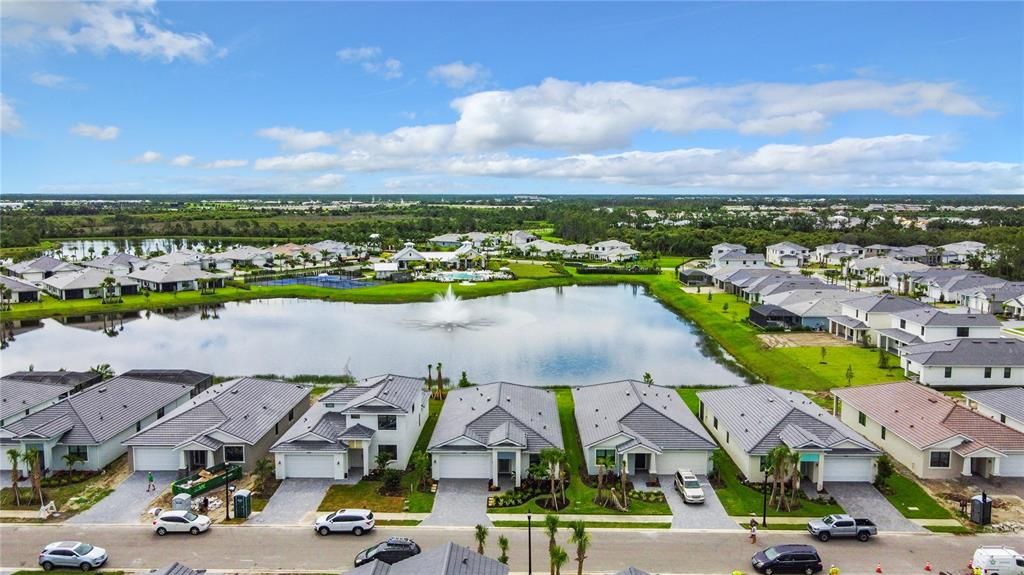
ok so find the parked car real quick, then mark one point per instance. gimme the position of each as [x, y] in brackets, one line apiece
[354, 521]
[689, 487]
[74, 554]
[390, 551]
[787, 559]
[180, 522]
[841, 525]
[995, 560]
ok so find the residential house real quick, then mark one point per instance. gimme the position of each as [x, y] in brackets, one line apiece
[648, 427]
[863, 317]
[877, 250]
[787, 255]
[966, 363]
[493, 431]
[931, 434]
[613, 251]
[1005, 405]
[518, 238]
[767, 286]
[1014, 308]
[337, 249]
[465, 257]
[733, 280]
[22, 398]
[384, 270]
[813, 307]
[118, 264]
[693, 277]
[922, 280]
[928, 324]
[246, 256]
[767, 316]
[917, 253]
[721, 249]
[993, 298]
[174, 278]
[88, 284]
[951, 288]
[21, 291]
[750, 421]
[76, 380]
[197, 381]
[837, 253]
[878, 270]
[545, 248]
[447, 559]
[479, 239]
[235, 422]
[738, 259]
[959, 252]
[193, 259]
[94, 422]
[295, 251]
[341, 436]
[40, 268]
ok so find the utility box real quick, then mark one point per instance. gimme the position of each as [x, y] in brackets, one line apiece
[181, 502]
[981, 509]
[243, 503]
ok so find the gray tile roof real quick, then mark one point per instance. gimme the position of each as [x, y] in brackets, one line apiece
[848, 321]
[358, 431]
[115, 260]
[100, 412]
[42, 264]
[979, 352]
[72, 378]
[87, 278]
[16, 285]
[934, 317]
[900, 335]
[162, 273]
[176, 569]
[245, 408]
[788, 245]
[399, 391]
[18, 395]
[317, 430]
[474, 412]
[761, 417]
[182, 376]
[632, 571]
[884, 303]
[653, 415]
[1008, 401]
[447, 559]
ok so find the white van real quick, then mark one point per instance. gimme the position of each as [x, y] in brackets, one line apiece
[998, 561]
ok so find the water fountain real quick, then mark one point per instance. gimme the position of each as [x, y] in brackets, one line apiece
[448, 311]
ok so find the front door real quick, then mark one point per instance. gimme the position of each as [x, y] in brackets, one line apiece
[978, 466]
[504, 465]
[641, 462]
[196, 460]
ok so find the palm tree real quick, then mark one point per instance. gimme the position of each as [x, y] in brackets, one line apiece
[794, 467]
[558, 558]
[14, 456]
[648, 378]
[481, 538]
[551, 528]
[263, 470]
[70, 460]
[31, 459]
[5, 298]
[107, 286]
[581, 539]
[503, 546]
[624, 480]
[552, 458]
[602, 468]
[103, 370]
[440, 382]
[419, 465]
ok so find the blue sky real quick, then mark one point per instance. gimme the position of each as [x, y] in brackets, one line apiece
[676, 98]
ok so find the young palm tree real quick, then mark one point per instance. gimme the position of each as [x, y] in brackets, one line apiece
[481, 538]
[581, 539]
[602, 468]
[419, 465]
[558, 558]
[70, 460]
[503, 546]
[5, 298]
[624, 480]
[31, 459]
[794, 467]
[551, 457]
[440, 382]
[551, 528]
[103, 370]
[263, 470]
[14, 456]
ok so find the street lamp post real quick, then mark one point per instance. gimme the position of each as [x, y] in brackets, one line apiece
[227, 494]
[764, 500]
[529, 542]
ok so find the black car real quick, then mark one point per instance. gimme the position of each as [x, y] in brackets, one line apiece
[391, 550]
[787, 559]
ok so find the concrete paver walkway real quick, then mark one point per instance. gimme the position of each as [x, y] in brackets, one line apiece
[293, 500]
[460, 502]
[709, 515]
[128, 501]
[863, 500]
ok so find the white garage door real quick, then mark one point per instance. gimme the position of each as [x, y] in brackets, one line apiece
[1012, 466]
[155, 459]
[695, 461]
[311, 466]
[465, 465]
[848, 469]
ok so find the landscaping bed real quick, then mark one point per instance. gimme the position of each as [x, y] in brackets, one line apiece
[742, 500]
[70, 498]
[366, 495]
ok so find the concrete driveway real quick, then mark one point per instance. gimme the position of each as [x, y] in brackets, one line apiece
[460, 502]
[128, 501]
[710, 515]
[294, 500]
[863, 500]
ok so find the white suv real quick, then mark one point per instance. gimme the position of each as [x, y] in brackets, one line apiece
[354, 521]
[180, 522]
[688, 485]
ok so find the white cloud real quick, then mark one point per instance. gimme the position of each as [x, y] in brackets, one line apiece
[130, 27]
[183, 160]
[51, 80]
[96, 132]
[459, 75]
[674, 81]
[225, 164]
[296, 139]
[326, 182]
[9, 120]
[372, 59]
[309, 161]
[147, 157]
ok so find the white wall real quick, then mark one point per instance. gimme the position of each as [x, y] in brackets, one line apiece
[993, 414]
[915, 459]
[964, 377]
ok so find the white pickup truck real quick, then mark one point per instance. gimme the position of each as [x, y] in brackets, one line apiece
[841, 526]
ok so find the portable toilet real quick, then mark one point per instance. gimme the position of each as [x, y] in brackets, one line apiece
[181, 502]
[981, 509]
[243, 503]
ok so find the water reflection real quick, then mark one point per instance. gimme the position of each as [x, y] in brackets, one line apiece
[559, 336]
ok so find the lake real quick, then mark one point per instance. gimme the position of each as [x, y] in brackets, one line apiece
[557, 336]
[79, 249]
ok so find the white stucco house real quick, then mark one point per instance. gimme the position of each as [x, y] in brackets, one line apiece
[461, 258]
[787, 254]
[966, 363]
[928, 324]
[342, 434]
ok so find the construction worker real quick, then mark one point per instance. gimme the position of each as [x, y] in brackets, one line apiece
[833, 570]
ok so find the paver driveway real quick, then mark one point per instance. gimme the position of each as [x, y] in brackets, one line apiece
[128, 501]
[863, 500]
[460, 502]
[710, 515]
[293, 500]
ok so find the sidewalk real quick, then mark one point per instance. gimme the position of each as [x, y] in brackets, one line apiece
[803, 520]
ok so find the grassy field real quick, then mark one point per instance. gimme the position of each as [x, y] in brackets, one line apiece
[954, 529]
[838, 359]
[581, 496]
[741, 500]
[905, 493]
[532, 271]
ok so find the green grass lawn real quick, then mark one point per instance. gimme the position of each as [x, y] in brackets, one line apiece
[539, 524]
[741, 500]
[581, 496]
[954, 529]
[838, 359]
[904, 493]
[532, 271]
[363, 495]
[689, 395]
[70, 498]
[672, 261]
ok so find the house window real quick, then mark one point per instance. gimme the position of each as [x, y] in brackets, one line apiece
[291, 414]
[277, 429]
[387, 422]
[700, 410]
[938, 459]
[947, 373]
[354, 416]
[861, 418]
[988, 372]
[138, 426]
[234, 454]
[329, 405]
[81, 451]
[607, 455]
[1006, 372]
[903, 324]
[762, 463]
[883, 432]
[727, 437]
[922, 330]
[390, 450]
[963, 332]
[1002, 418]
[159, 413]
[716, 423]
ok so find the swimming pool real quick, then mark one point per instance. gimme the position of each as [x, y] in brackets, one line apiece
[335, 282]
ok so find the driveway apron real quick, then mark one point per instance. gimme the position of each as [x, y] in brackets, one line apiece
[460, 502]
[128, 501]
[863, 500]
[710, 515]
[293, 500]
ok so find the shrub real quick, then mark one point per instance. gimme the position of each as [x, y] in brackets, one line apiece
[391, 482]
[237, 284]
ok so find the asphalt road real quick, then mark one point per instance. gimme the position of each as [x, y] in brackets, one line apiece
[296, 549]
